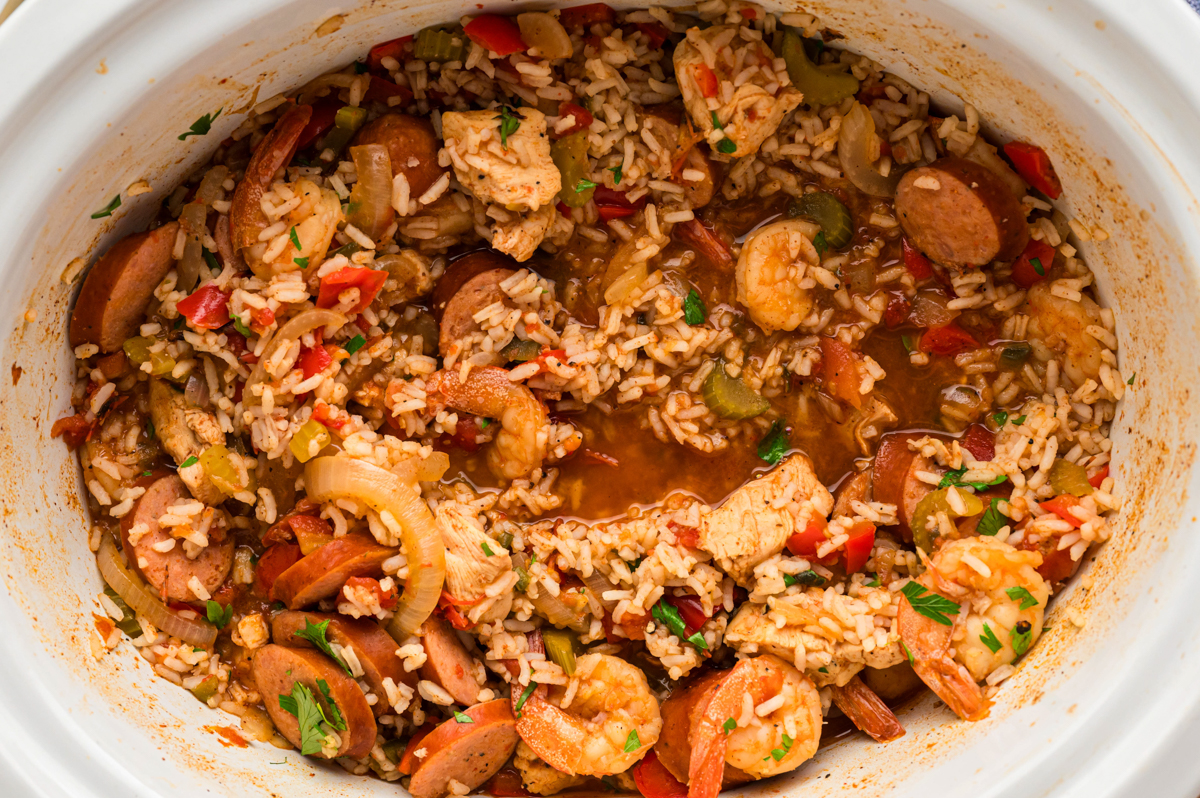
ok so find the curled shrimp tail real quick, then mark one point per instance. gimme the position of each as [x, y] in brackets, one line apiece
[273, 153]
[953, 684]
[707, 768]
[867, 711]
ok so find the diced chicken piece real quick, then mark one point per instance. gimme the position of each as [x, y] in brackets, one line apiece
[186, 432]
[521, 236]
[515, 171]
[470, 570]
[755, 522]
[749, 112]
[538, 777]
[1061, 325]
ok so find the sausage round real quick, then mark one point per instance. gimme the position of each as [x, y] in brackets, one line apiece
[447, 662]
[856, 488]
[470, 284]
[118, 288]
[961, 214]
[375, 648]
[322, 573]
[412, 145]
[469, 753]
[275, 151]
[681, 713]
[169, 572]
[277, 668]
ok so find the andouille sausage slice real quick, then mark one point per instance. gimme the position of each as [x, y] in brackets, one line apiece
[118, 288]
[470, 753]
[855, 489]
[413, 146]
[681, 714]
[375, 648]
[277, 668]
[322, 573]
[275, 151]
[447, 662]
[960, 213]
[170, 572]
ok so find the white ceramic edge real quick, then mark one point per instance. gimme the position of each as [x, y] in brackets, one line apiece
[1154, 755]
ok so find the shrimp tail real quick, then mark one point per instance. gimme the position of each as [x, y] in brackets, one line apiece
[953, 684]
[867, 711]
[707, 768]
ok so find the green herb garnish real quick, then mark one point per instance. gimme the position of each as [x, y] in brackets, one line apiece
[907, 653]
[930, 604]
[1000, 418]
[463, 718]
[301, 262]
[191, 461]
[1018, 421]
[907, 343]
[303, 705]
[525, 697]
[218, 616]
[295, 239]
[954, 479]
[988, 638]
[1127, 382]
[616, 170]
[241, 327]
[510, 120]
[315, 633]
[354, 344]
[334, 718]
[1024, 596]
[668, 616]
[1020, 637]
[108, 209]
[775, 444]
[820, 243]
[487, 550]
[202, 125]
[694, 310]
[992, 521]
[1036, 263]
[729, 725]
[779, 753]
[726, 146]
[809, 578]
[211, 260]
[717, 122]
[584, 185]
[632, 743]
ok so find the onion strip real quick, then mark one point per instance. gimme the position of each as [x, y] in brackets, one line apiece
[329, 478]
[305, 321]
[371, 198]
[142, 601]
[854, 142]
[550, 606]
[598, 585]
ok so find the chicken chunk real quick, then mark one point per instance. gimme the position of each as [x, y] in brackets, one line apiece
[470, 569]
[755, 522]
[514, 171]
[521, 236]
[186, 432]
[538, 777]
[747, 114]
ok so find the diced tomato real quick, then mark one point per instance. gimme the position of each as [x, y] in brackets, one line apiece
[387, 598]
[706, 79]
[206, 308]
[583, 118]
[885, 148]
[1095, 480]
[315, 360]
[706, 241]
[465, 433]
[748, 13]
[408, 762]
[653, 780]
[389, 49]
[261, 318]
[946, 340]
[691, 610]
[281, 531]
[804, 544]
[558, 354]
[592, 456]
[586, 15]
[1025, 272]
[980, 442]
[655, 32]
[382, 88]
[495, 33]
[612, 204]
[858, 547]
[1061, 506]
[917, 264]
[323, 113]
[1057, 565]
[322, 414]
[507, 784]
[274, 561]
[842, 379]
[1033, 164]
[685, 535]
[564, 209]
[870, 95]
[367, 281]
[897, 310]
[74, 430]
[310, 525]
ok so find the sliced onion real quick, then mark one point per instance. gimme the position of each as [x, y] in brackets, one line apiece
[196, 392]
[550, 606]
[142, 601]
[371, 198]
[211, 186]
[855, 141]
[929, 309]
[193, 220]
[303, 322]
[597, 583]
[329, 478]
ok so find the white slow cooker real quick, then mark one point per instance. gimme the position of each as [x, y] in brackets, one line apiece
[93, 97]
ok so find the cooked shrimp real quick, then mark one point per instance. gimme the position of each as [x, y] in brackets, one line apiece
[610, 722]
[760, 744]
[1061, 325]
[769, 273]
[520, 445]
[1002, 600]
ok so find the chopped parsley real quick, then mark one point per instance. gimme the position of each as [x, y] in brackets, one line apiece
[108, 209]
[1036, 263]
[487, 550]
[729, 725]
[873, 583]
[1001, 418]
[694, 310]
[809, 578]
[211, 260]
[775, 444]
[954, 479]
[1018, 421]
[988, 638]
[218, 616]
[303, 705]
[483, 424]
[1024, 596]
[315, 634]
[360, 67]
[616, 170]
[717, 122]
[510, 120]
[726, 146]
[301, 262]
[992, 521]
[240, 326]
[295, 239]
[669, 617]
[1127, 382]
[930, 604]
[149, 430]
[779, 753]
[907, 343]
[202, 125]
[191, 461]
[820, 243]
[907, 653]
[1020, 637]
[525, 697]
[335, 718]
[610, 784]
[354, 344]
[632, 742]
[462, 717]
[823, 669]
[583, 185]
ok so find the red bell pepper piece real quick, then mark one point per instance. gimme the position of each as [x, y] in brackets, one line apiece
[261, 319]
[1026, 272]
[382, 88]
[75, 430]
[315, 360]
[507, 784]
[917, 264]
[564, 209]
[706, 242]
[495, 33]
[274, 561]
[367, 281]
[323, 113]
[655, 32]
[897, 310]
[612, 204]
[685, 535]
[690, 610]
[206, 308]
[393, 49]
[321, 414]
[1095, 480]
[858, 547]
[466, 432]
[387, 598]
[583, 118]
[842, 379]
[706, 79]
[1060, 506]
[586, 15]
[947, 340]
[804, 544]
[653, 780]
[980, 442]
[1033, 164]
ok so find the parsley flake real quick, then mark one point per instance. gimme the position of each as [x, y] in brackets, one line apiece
[1036, 263]
[202, 125]
[616, 170]
[301, 262]
[820, 243]
[729, 725]
[873, 583]
[669, 617]
[809, 578]
[241, 327]
[726, 146]
[583, 185]
[510, 120]
[907, 653]
[191, 461]
[525, 697]
[303, 705]
[315, 633]
[779, 753]
[108, 209]
[211, 260]
[954, 479]
[931, 605]
[334, 717]
[992, 521]
[694, 310]
[1021, 637]
[487, 550]
[717, 122]
[1018, 421]
[632, 742]
[1127, 382]
[295, 239]
[1000, 418]
[463, 718]
[988, 638]
[1024, 596]
[775, 444]
[218, 616]
[354, 344]
[907, 343]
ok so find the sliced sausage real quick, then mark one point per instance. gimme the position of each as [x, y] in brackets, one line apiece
[894, 683]
[375, 648]
[169, 572]
[855, 489]
[961, 214]
[470, 753]
[275, 151]
[277, 668]
[681, 714]
[894, 477]
[118, 288]
[867, 711]
[412, 145]
[447, 662]
[322, 573]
